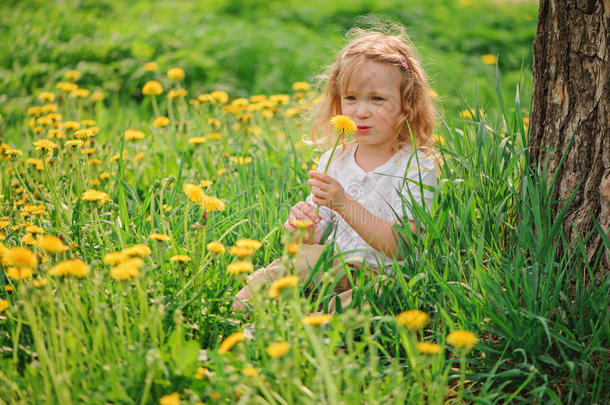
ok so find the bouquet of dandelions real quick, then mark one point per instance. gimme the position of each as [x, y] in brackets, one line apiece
[344, 127]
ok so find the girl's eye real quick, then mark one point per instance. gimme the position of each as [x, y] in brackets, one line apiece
[375, 98]
[350, 98]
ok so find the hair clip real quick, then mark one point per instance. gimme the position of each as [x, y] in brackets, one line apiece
[403, 62]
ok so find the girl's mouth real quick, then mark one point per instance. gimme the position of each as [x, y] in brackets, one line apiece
[363, 129]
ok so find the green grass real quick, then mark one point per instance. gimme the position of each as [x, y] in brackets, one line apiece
[492, 260]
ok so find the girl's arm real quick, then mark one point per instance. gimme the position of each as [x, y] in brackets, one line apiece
[376, 231]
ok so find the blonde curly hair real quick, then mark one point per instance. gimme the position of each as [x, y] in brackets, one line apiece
[418, 112]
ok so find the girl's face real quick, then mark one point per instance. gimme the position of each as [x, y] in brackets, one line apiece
[372, 100]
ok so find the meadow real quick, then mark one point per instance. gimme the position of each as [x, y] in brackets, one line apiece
[150, 153]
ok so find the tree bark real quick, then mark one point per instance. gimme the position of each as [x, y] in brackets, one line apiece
[571, 95]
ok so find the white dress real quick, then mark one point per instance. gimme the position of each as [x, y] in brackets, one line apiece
[379, 192]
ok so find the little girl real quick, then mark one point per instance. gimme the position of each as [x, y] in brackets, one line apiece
[378, 83]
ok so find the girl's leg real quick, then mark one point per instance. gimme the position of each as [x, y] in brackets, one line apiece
[306, 258]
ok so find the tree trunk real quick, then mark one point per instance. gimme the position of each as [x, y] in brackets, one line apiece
[571, 95]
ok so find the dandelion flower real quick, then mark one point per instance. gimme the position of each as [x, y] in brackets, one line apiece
[139, 250]
[220, 96]
[216, 247]
[249, 243]
[35, 229]
[84, 133]
[231, 341]
[240, 267]
[201, 373]
[180, 258]
[176, 73]
[160, 237]
[489, 59]
[194, 192]
[161, 122]
[300, 86]
[151, 66]
[45, 145]
[51, 244]
[278, 349]
[74, 143]
[241, 251]
[196, 140]
[39, 282]
[428, 348]
[4, 304]
[316, 319]
[413, 319]
[74, 268]
[152, 88]
[302, 223]
[97, 96]
[206, 183]
[462, 339]
[292, 248]
[114, 258]
[19, 273]
[211, 204]
[95, 195]
[127, 270]
[250, 371]
[20, 257]
[283, 283]
[343, 124]
[134, 134]
[170, 399]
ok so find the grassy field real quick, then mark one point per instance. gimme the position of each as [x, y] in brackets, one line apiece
[148, 194]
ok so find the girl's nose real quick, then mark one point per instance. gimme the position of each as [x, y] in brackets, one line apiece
[362, 110]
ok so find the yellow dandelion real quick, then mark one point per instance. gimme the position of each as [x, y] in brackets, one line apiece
[231, 341]
[206, 183]
[489, 59]
[211, 204]
[51, 244]
[316, 319]
[250, 371]
[220, 96]
[134, 134]
[176, 73]
[160, 237]
[180, 258]
[249, 243]
[343, 124]
[428, 348]
[39, 282]
[4, 304]
[462, 339]
[126, 270]
[413, 319]
[114, 258]
[214, 136]
[216, 247]
[20, 257]
[278, 349]
[241, 251]
[302, 223]
[152, 88]
[75, 268]
[84, 133]
[170, 399]
[161, 122]
[45, 145]
[194, 192]
[292, 248]
[139, 250]
[300, 86]
[95, 195]
[46, 97]
[281, 284]
[201, 373]
[97, 96]
[72, 75]
[197, 140]
[80, 93]
[75, 143]
[222, 171]
[35, 229]
[151, 66]
[19, 273]
[240, 267]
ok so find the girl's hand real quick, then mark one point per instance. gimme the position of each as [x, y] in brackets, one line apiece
[302, 211]
[327, 191]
